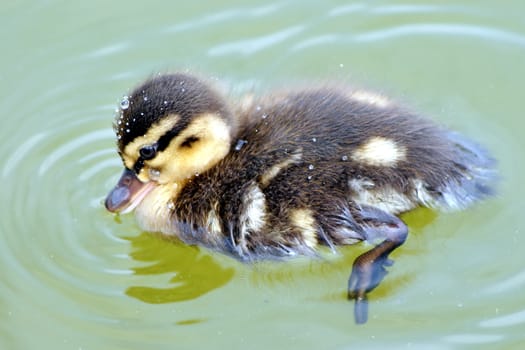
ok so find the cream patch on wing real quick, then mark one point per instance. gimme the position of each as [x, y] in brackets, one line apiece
[130, 153]
[246, 102]
[253, 215]
[304, 221]
[276, 169]
[213, 222]
[379, 151]
[385, 198]
[370, 98]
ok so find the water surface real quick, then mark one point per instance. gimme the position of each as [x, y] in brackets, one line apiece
[76, 277]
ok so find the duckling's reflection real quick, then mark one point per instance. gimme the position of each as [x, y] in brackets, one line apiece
[195, 273]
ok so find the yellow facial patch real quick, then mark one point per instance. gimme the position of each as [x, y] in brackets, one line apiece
[130, 153]
[379, 151]
[212, 143]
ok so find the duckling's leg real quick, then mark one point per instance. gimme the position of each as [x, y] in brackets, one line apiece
[369, 268]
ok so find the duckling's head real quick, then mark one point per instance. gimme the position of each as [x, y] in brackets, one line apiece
[169, 129]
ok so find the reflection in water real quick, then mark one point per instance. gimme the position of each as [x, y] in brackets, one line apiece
[195, 273]
[418, 219]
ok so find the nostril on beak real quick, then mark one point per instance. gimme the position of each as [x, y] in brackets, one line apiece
[116, 198]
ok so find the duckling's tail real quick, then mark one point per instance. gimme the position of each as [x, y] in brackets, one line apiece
[477, 175]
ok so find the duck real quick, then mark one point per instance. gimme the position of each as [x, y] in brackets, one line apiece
[291, 172]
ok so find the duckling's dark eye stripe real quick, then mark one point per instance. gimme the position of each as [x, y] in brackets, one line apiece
[165, 139]
[139, 164]
[161, 144]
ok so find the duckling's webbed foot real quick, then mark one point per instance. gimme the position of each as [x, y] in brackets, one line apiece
[369, 268]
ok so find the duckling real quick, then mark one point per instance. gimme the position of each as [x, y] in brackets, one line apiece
[286, 173]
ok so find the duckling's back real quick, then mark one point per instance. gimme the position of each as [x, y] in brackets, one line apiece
[389, 157]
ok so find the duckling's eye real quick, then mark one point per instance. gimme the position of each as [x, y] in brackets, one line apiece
[148, 152]
[189, 141]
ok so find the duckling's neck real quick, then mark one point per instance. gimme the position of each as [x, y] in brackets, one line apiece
[154, 212]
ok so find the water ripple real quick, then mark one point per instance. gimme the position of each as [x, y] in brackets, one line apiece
[493, 34]
[250, 46]
[223, 16]
[22, 152]
[439, 30]
[513, 319]
[72, 146]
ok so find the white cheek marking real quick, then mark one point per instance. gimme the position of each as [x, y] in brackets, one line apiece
[379, 151]
[252, 218]
[304, 221]
[370, 98]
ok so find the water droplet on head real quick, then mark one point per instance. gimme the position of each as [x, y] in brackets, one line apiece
[154, 174]
[258, 108]
[145, 98]
[314, 139]
[344, 158]
[165, 102]
[309, 177]
[264, 116]
[171, 205]
[142, 113]
[127, 130]
[119, 122]
[124, 104]
[311, 167]
[240, 144]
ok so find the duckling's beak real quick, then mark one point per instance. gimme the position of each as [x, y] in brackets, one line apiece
[128, 193]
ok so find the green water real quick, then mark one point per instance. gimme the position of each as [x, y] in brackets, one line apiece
[75, 277]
